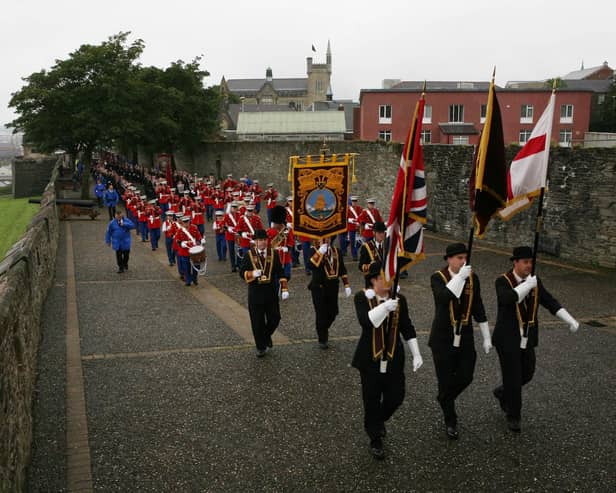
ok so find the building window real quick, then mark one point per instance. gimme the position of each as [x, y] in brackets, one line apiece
[565, 138]
[566, 113]
[319, 85]
[385, 113]
[482, 113]
[526, 113]
[385, 135]
[267, 100]
[601, 99]
[456, 113]
[426, 136]
[524, 136]
[427, 116]
[459, 140]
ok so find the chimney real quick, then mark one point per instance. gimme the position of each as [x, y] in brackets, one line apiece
[309, 65]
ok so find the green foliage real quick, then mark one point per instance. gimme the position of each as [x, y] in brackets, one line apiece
[16, 215]
[100, 97]
[556, 83]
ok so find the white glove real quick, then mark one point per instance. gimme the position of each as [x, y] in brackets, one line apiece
[368, 226]
[485, 332]
[347, 291]
[289, 225]
[417, 359]
[285, 295]
[203, 241]
[323, 248]
[391, 304]
[564, 315]
[256, 273]
[184, 244]
[526, 287]
[284, 249]
[245, 236]
[352, 221]
[378, 314]
[231, 229]
[465, 271]
[456, 285]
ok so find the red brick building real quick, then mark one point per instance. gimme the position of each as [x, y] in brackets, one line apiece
[455, 112]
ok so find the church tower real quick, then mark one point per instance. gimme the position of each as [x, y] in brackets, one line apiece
[319, 78]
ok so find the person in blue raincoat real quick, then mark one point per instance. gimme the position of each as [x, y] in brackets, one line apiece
[118, 237]
[111, 199]
[99, 190]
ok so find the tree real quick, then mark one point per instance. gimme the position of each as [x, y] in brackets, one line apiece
[82, 102]
[603, 116]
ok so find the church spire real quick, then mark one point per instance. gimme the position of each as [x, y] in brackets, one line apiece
[328, 56]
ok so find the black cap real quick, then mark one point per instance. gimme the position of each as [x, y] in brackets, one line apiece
[520, 252]
[279, 215]
[374, 270]
[379, 227]
[260, 234]
[454, 249]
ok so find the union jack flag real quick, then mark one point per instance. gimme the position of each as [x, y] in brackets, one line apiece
[404, 244]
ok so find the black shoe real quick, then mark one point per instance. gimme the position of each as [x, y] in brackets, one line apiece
[498, 393]
[120, 270]
[452, 432]
[323, 345]
[261, 353]
[125, 266]
[376, 448]
[514, 424]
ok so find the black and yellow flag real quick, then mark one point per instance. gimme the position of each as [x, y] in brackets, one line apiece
[488, 183]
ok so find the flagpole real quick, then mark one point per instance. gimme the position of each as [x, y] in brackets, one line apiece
[394, 286]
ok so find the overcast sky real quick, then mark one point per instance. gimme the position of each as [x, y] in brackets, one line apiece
[371, 41]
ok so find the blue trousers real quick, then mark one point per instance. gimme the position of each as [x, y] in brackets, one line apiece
[209, 212]
[342, 239]
[258, 207]
[232, 257]
[306, 254]
[201, 228]
[221, 246]
[352, 241]
[269, 218]
[144, 231]
[154, 237]
[170, 251]
[190, 274]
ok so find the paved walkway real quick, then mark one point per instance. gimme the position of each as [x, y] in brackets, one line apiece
[147, 385]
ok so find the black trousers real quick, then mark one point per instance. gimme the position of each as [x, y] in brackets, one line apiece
[517, 368]
[112, 211]
[264, 319]
[454, 372]
[325, 301]
[122, 258]
[382, 394]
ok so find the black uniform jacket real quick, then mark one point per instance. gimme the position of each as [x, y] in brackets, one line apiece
[441, 334]
[362, 359]
[506, 334]
[368, 253]
[319, 279]
[262, 291]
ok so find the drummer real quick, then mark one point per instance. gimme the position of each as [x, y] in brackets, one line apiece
[188, 236]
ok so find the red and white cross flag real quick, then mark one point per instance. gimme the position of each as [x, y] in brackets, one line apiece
[528, 171]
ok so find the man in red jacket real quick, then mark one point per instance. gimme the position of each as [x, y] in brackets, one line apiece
[247, 226]
[187, 237]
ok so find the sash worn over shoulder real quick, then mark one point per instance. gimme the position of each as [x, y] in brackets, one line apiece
[331, 265]
[265, 267]
[459, 307]
[384, 337]
[527, 309]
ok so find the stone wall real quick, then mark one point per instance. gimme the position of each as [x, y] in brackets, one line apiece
[31, 176]
[580, 207]
[26, 273]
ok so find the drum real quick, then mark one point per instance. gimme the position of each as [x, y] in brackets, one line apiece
[197, 254]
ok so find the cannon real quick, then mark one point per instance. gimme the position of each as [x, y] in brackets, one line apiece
[74, 207]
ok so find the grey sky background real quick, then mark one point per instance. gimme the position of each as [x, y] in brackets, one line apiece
[371, 41]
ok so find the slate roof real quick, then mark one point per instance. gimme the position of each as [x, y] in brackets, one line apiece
[581, 74]
[252, 86]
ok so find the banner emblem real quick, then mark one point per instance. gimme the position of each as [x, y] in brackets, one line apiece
[320, 194]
